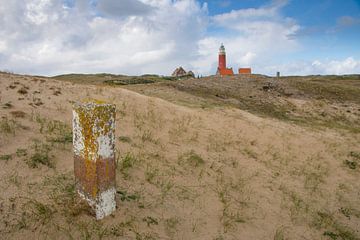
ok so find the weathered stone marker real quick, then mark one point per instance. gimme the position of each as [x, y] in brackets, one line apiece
[94, 155]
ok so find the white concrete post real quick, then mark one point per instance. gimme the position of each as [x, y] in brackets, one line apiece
[94, 155]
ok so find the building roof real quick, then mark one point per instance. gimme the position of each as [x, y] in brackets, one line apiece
[226, 71]
[244, 70]
[179, 72]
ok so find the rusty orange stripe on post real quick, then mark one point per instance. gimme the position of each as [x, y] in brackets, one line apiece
[94, 155]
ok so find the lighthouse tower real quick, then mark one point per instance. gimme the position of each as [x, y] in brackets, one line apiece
[222, 58]
[222, 69]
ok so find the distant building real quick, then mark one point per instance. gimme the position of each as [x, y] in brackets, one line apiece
[222, 70]
[180, 72]
[244, 70]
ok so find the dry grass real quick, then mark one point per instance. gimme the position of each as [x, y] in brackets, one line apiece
[277, 101]
[8, 126]
[18, 114]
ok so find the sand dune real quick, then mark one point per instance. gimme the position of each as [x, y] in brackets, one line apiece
[182, 172]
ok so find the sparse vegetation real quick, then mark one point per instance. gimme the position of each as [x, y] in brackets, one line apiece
[151, 173]
[15, 179]
[150, 221]
[64, 195]
[355, 155]
[40, 156]
[127, 162]
[118, 230]
[147, 136]
[125, 139]
[298, 207]
[171, 225]
[326, 220]
[56, 131]
[37, 102]
[112, 79]
[351, 164]
[39, 212]
[192, 159]
[20, 152]
[5, 157]
[23, 90]
[279, 234]
[8, 126]
[133, 80]
[18, 114]
[246, 93]
[124, 196]
[7, 105]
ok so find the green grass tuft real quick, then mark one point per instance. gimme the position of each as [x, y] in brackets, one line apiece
[5, 157]
[20, 152]
[39, 212]
[192, 159]
[127, 162]
[7, 126]
[124, 196]
[40, 156]
[351, 164]
[125, 139]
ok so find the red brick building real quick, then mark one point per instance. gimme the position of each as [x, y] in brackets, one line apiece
[244, 70]
[222, 69]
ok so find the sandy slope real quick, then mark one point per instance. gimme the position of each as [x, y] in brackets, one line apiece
[183, 173]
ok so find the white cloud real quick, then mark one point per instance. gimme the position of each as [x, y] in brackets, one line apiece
[325, 67]
[121, 8]
[346, 66]
[248, 58]
[148, 36]
[2, 46]
[50, 37]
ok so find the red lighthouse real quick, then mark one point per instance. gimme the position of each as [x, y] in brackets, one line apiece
[222, 70]
[222, 57]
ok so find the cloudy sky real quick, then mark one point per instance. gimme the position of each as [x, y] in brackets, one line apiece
[295, 37]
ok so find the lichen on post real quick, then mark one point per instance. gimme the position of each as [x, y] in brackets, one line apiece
[94, 154]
